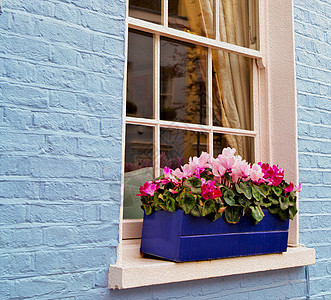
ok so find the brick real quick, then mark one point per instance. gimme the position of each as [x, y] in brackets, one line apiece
[66, 122]
[62, 100]
[60, 145]
[24, 95]
[15, 165]
[12, 214]
[17, 118]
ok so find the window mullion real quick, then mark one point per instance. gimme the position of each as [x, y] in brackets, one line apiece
[157, 143]
[210, 99]
[164, 13]
[217, 19]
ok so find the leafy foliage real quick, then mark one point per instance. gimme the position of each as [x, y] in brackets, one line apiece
[207, 187]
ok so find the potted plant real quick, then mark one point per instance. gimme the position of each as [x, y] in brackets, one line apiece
[215, 208]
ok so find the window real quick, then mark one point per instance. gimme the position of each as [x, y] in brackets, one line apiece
[190, 85]
[162, 29]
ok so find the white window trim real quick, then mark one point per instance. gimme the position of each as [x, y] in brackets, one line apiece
[276, 142]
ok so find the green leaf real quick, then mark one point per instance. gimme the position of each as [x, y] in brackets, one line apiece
[193, 182]
[283, 215]
[273, 200]
[243, 188]
[265, 190]
[171, 204]
[257, 213]
[208, 207]
[187, 202]
[232, 214]
[292, 212]
[274, 210]
[148, 209]
[256, 193]
[265, 203]
[284, 202]
[196, 211]
[228, 197]
[277, 190]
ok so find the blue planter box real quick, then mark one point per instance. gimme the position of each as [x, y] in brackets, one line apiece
[179, 237]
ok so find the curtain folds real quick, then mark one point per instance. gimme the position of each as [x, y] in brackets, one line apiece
[231, 72]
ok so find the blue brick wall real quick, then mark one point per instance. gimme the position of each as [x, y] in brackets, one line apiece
[61, 72]
[312, 37]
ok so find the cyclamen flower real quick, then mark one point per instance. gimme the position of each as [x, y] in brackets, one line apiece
[217, 169]
[274, 175]
[298, 188]
[148, 188]
[240, 170]
[289, 188]
[256, 174]
[209, 190]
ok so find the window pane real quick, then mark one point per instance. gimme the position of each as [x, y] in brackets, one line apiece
[232, 91]
[243, 144]
[183, 82]
[195, 17]
[139, 145]
[238, 20]
[139, 101]
[178, 145]
[148, 10]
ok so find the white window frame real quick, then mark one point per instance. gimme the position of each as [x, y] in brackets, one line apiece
[275, 132]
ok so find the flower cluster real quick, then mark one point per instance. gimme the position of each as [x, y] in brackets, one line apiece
[208, 186]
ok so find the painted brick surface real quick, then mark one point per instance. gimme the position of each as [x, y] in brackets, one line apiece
[61, 72]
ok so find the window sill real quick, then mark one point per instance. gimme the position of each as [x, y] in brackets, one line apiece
[133, 270]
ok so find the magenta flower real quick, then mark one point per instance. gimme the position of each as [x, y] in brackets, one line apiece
[148, 188]
[209, 190]
[289, 188]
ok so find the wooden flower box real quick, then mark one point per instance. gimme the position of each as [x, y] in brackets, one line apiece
[179, 237]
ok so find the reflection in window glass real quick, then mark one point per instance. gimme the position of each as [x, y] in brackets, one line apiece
[183, 82]
[148, 10]
[238, 20]
[138, 167]
[243, 144]
[195, 17]
[232, 91]
[139, 101]
[177, 146]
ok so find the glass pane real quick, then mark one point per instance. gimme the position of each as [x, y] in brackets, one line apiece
[183, 82]
[243, 144]
[178, 145]
[148, 10]
[239, 22]
[195, 17]
[232, 91]
[139, 101]
[138, 167]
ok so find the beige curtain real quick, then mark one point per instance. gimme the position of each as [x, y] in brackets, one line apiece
[231, 90]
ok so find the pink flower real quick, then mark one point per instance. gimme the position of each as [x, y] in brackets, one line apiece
[256, 174]
[240, 169]
[217, 168]
[274, 175]
[148, 188]
[209, 190]
[289, 188]
[298, 188]
[167, 172]
[228, 152]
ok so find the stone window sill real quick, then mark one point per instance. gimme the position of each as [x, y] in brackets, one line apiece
[133, 270]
